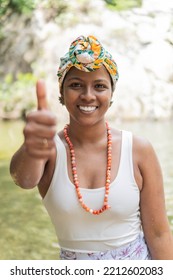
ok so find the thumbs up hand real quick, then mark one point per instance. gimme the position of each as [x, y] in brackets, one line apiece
[41, 95]
[40, 127]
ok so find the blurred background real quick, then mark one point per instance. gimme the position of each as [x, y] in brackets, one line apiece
[34, 34]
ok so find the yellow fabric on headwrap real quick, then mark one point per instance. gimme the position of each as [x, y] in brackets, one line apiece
[87, 54]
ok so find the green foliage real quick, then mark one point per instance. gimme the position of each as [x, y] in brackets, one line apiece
[16, 6]
[54, 9]
[7, 7]
[123, 4]
[59, 6]
[17, 96]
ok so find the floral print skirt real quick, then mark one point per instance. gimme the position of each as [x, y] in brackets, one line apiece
[136, 250]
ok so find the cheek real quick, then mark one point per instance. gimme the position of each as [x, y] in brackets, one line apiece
[107, 98]
[67, 96]
[69, 99]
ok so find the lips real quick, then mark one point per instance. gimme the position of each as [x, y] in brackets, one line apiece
[87, 109]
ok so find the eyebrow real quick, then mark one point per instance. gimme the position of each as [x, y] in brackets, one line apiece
[74, 78]
[77, 78]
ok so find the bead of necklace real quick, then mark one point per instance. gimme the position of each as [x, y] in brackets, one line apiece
[75, 176]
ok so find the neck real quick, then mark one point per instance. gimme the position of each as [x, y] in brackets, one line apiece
[87, 134]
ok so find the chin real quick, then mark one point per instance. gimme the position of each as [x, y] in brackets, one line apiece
[87, 122]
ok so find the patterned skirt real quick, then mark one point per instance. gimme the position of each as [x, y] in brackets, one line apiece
[136, 250]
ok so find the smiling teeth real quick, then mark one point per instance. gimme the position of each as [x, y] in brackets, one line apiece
[87, 108]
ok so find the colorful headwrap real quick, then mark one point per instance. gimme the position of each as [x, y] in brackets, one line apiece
[87, 54]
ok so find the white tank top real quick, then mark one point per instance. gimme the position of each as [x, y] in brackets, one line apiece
[78, 230]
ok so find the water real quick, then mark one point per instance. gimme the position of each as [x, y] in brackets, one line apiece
[25, 228]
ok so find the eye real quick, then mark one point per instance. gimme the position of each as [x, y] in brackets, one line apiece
[75, 85]
[100, 86]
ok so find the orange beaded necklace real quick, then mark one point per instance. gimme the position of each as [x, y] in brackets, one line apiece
[108, 171]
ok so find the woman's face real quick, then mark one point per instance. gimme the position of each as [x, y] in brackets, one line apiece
[87, 95]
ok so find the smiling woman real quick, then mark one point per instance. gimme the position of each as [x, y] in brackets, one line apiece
[85, 93]
[101, 186]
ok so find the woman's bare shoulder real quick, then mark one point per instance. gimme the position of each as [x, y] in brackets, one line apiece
[145, 154]
[142, 145]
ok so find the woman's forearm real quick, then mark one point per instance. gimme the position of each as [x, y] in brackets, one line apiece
[26, 170]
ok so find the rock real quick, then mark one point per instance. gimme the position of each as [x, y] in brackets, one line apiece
[140, 41]
[157, 6]
[157, 58]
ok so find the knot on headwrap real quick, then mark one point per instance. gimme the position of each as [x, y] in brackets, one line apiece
[87, 54]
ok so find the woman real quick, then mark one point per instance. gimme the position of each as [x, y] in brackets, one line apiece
[102, 187]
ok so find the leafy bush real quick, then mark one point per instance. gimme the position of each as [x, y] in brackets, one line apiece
[17, 96]
[27, 6]
[16, 6]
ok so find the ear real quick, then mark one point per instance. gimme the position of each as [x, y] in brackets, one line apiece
[111, 103]
[61, 99]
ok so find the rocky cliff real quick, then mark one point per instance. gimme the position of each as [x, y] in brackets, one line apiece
[141, 41]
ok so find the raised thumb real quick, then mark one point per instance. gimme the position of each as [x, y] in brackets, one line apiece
[41, 95]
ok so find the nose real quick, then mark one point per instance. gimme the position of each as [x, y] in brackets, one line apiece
[88, 94]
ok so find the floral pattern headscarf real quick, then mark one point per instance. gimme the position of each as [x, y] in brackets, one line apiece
[87, 54]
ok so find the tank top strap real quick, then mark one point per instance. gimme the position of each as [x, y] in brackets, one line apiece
[59, 146]
[61, 162]
[126, 169]
[61, 155]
